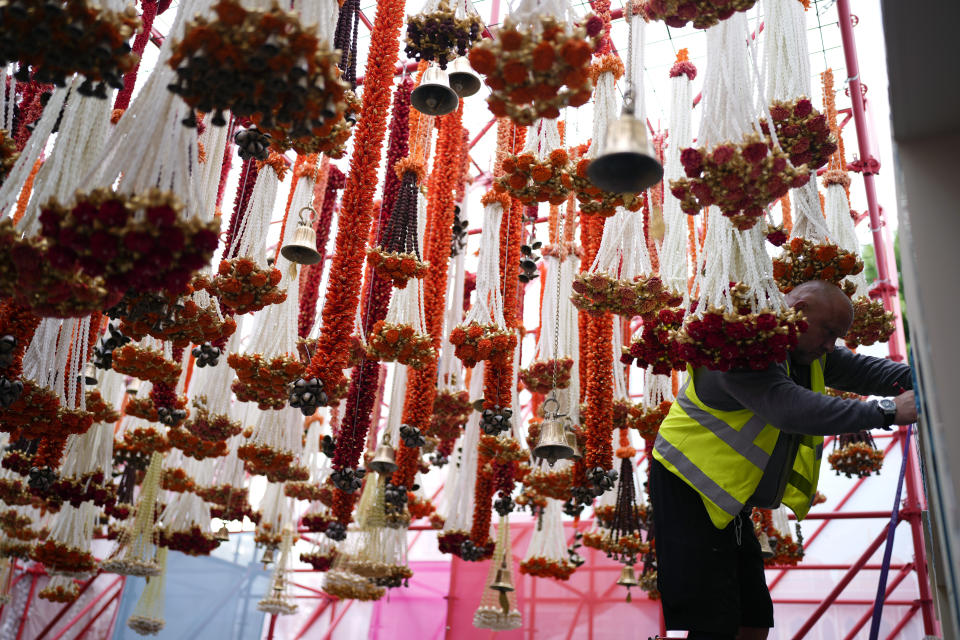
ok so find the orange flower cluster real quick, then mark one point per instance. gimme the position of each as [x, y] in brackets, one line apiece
[266, 461]
[542, 567]
[630, 544]
[145, 408]
[451, 409]
[649, 421]
[264, 381]
[176, 480]
[189, 325]
[301, 491]
[343, 292]
[599, 293]
[625, 414]
[544, 375]
[871, 323]
[846, 395]
[592, 199]
[786, 551]
[391, 342]
[143, 440]
[859, 459]
[502, 448]
[530, 180]
[8, 154]
[196, 447]
[59, 557]
[145, 364]
[475, 342]
[211, 426]
[803, 261]
[550, 484]
[101, 411]
[244, 287]
[262, 65]
[741, 179]
[534, 72]
[419, 507]
[59, 593]
[396, 266]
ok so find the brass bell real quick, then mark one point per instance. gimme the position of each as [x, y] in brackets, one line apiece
[463, 79]
[267, 557]
[222, 534]
[134, 387]
[504, 581]
[303, 248]
[572, 443]
[385, 459]
[626, 163]
[434, 97]
[552, 444]
[628, 579]
[766, 551]
[89, 374]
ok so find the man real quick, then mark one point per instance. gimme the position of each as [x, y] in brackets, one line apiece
[742, 439]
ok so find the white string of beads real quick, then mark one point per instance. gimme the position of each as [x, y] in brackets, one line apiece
[674, 265]
[462, 479]
[487, 305]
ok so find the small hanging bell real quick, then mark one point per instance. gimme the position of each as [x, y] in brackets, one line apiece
[303, 248]
[552, 444]
[385, 459]
[222, 534]
[267, 557]
[766, 551]
[504, 581]
[434, 97]
[463, 79]
[626, 163]
[89, 374]
[628, 579]
[133, 387]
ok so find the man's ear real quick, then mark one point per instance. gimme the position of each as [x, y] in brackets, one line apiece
[800, 305]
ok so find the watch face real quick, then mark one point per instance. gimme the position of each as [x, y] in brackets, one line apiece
[888, 405]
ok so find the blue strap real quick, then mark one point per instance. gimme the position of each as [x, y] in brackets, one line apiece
[888, 550]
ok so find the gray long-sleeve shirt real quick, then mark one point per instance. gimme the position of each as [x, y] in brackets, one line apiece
[786, 401]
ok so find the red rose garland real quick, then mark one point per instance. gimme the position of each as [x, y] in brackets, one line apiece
[871, 323]
[655, 346]
[702, 13]
[802, 131]
[344, 291]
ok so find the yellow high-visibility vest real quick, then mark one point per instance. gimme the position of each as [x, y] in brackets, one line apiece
[722, 454]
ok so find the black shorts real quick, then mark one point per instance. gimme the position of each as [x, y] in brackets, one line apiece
[709, 583]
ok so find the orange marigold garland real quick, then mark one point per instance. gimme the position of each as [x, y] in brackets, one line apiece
[264, 381]
[531, 180]
[243, 287]
[804, 260]
[145, 363]
[343, 292]
[855, 454]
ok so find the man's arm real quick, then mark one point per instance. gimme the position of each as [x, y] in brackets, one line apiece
[866, 375]
[775, 397]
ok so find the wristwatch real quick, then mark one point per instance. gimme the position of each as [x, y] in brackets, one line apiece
[889, 409]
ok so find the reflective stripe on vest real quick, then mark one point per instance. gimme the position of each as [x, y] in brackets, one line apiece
[723, 454]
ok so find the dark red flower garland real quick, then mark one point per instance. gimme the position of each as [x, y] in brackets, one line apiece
[363, 377]
[147, 17]
[241, 203]
[343, 294]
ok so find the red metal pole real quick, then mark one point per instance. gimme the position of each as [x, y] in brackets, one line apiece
[312, 619]
[273, 623]
[848, 576]
[26, 607]
[900, 625]
[903, 573]
[90, 605]
[63, 610]
[333, 625]
[96, 616]
[886, 286]
[483, 131]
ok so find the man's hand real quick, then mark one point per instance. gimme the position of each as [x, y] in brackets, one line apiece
[906, 408]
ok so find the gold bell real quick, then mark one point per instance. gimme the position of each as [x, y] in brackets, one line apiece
[385, 459]
[222, 534]
[504, 581]
[303, 248]
[463, 79]
[626, 163]
[552, 444]
[89, 374]
[267, 557]
[766, 551]
[133, 387]
[434, 97]
[572, 443]
[627, 577]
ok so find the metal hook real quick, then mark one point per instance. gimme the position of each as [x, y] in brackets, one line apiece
[311, 210]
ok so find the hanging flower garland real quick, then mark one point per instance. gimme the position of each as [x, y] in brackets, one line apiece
[855, 454]
[655, 347]
[82, 37]
[269, 69]
[773, 525]
[804, 260]
[539, 63]
[343, 293]
[312, 274]
[872, 323]
[703, 14]
[442, 33]
[547, 555]
[184, 526]
[802, 131]
[194, 318]
[530, 179]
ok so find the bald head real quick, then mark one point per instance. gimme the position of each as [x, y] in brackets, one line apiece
[828, 313]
